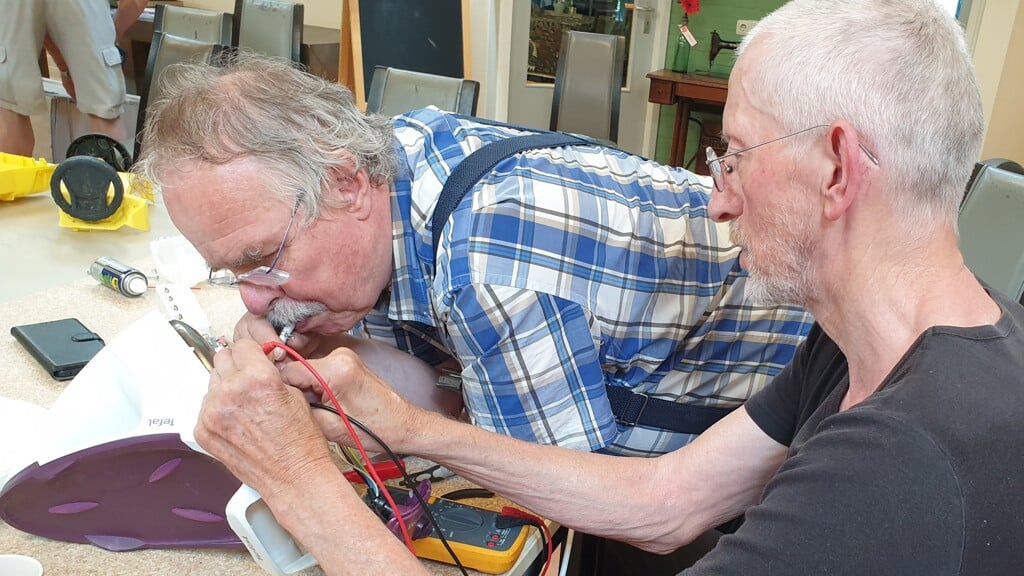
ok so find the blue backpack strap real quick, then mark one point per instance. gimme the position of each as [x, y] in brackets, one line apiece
[632, 409]
[481, 162]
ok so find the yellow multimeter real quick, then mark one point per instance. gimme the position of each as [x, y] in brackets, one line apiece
[474, 536]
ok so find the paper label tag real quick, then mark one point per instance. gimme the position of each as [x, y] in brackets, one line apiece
[685, 31]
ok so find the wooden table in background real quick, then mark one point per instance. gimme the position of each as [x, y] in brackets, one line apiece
[689, 92]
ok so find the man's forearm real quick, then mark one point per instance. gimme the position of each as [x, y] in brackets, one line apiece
[598, 494]
[58, 58]
[346, 538]
[657, 504]
[128, 12]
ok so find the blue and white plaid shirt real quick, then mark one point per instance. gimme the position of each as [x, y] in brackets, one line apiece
[567, 269]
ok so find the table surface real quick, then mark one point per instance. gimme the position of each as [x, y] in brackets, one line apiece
[106, 312]
[690, 78]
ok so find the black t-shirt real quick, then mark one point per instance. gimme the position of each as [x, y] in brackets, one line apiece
[924, 477]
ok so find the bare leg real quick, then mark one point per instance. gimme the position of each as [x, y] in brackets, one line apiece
[113, 127]
[16, 136]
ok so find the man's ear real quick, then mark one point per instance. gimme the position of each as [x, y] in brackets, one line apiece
[844, 180]
[351, 186]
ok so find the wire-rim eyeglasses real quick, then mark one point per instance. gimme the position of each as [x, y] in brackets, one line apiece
[715, 164]
[269, 276]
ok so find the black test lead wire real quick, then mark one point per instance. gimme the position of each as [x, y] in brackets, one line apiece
[405, 477]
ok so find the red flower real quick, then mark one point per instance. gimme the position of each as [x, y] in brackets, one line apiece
[690, 6]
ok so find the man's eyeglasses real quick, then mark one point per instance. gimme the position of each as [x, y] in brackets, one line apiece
[262, 276]
[717, 167]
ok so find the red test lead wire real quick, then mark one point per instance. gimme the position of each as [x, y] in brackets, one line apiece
[539, 523]
[268, 347]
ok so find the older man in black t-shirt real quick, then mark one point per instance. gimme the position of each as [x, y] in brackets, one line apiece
[890, 445]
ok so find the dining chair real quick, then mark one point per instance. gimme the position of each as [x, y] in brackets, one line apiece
[168, 49]
[588, 85]
[395, 91]
[270, 27]
[193, 23]
[991, 222]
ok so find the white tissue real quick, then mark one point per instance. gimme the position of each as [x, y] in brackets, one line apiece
[178, 262]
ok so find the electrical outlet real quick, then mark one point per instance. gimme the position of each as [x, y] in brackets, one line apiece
[744, 26]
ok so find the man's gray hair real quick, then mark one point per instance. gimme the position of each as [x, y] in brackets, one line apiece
[898, 70]
[294, 123]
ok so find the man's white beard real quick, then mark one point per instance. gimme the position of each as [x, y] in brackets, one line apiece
[789, 277]
[777, 291]
[290, 312]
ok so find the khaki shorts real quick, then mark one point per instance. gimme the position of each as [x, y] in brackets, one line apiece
[84, 32]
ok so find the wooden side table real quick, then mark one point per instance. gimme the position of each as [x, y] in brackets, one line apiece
[689, 92]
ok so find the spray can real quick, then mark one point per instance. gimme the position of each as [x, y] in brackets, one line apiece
[119, 277]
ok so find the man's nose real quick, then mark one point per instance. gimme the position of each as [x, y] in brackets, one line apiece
[724, 206]
[257, 298]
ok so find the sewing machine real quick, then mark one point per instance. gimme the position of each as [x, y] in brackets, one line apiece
[717, 45]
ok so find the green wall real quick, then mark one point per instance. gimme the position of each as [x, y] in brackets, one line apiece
[720, 15]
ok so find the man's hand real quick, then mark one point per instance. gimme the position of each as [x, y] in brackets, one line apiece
[252, 327]
[69, 84]
[260, 428]
[58, 59]
[262, 431]
[128, 11]
[362, 395]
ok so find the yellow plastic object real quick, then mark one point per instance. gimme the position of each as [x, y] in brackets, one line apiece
[22, 175]
[496, 557]
[134, 210]
[137, 186]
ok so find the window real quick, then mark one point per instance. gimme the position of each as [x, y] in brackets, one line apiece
[549, 18]
[958, 8]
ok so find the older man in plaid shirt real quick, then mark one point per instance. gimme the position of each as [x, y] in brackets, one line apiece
[579, 295]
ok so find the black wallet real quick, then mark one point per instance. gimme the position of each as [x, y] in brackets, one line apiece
[63, 347]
